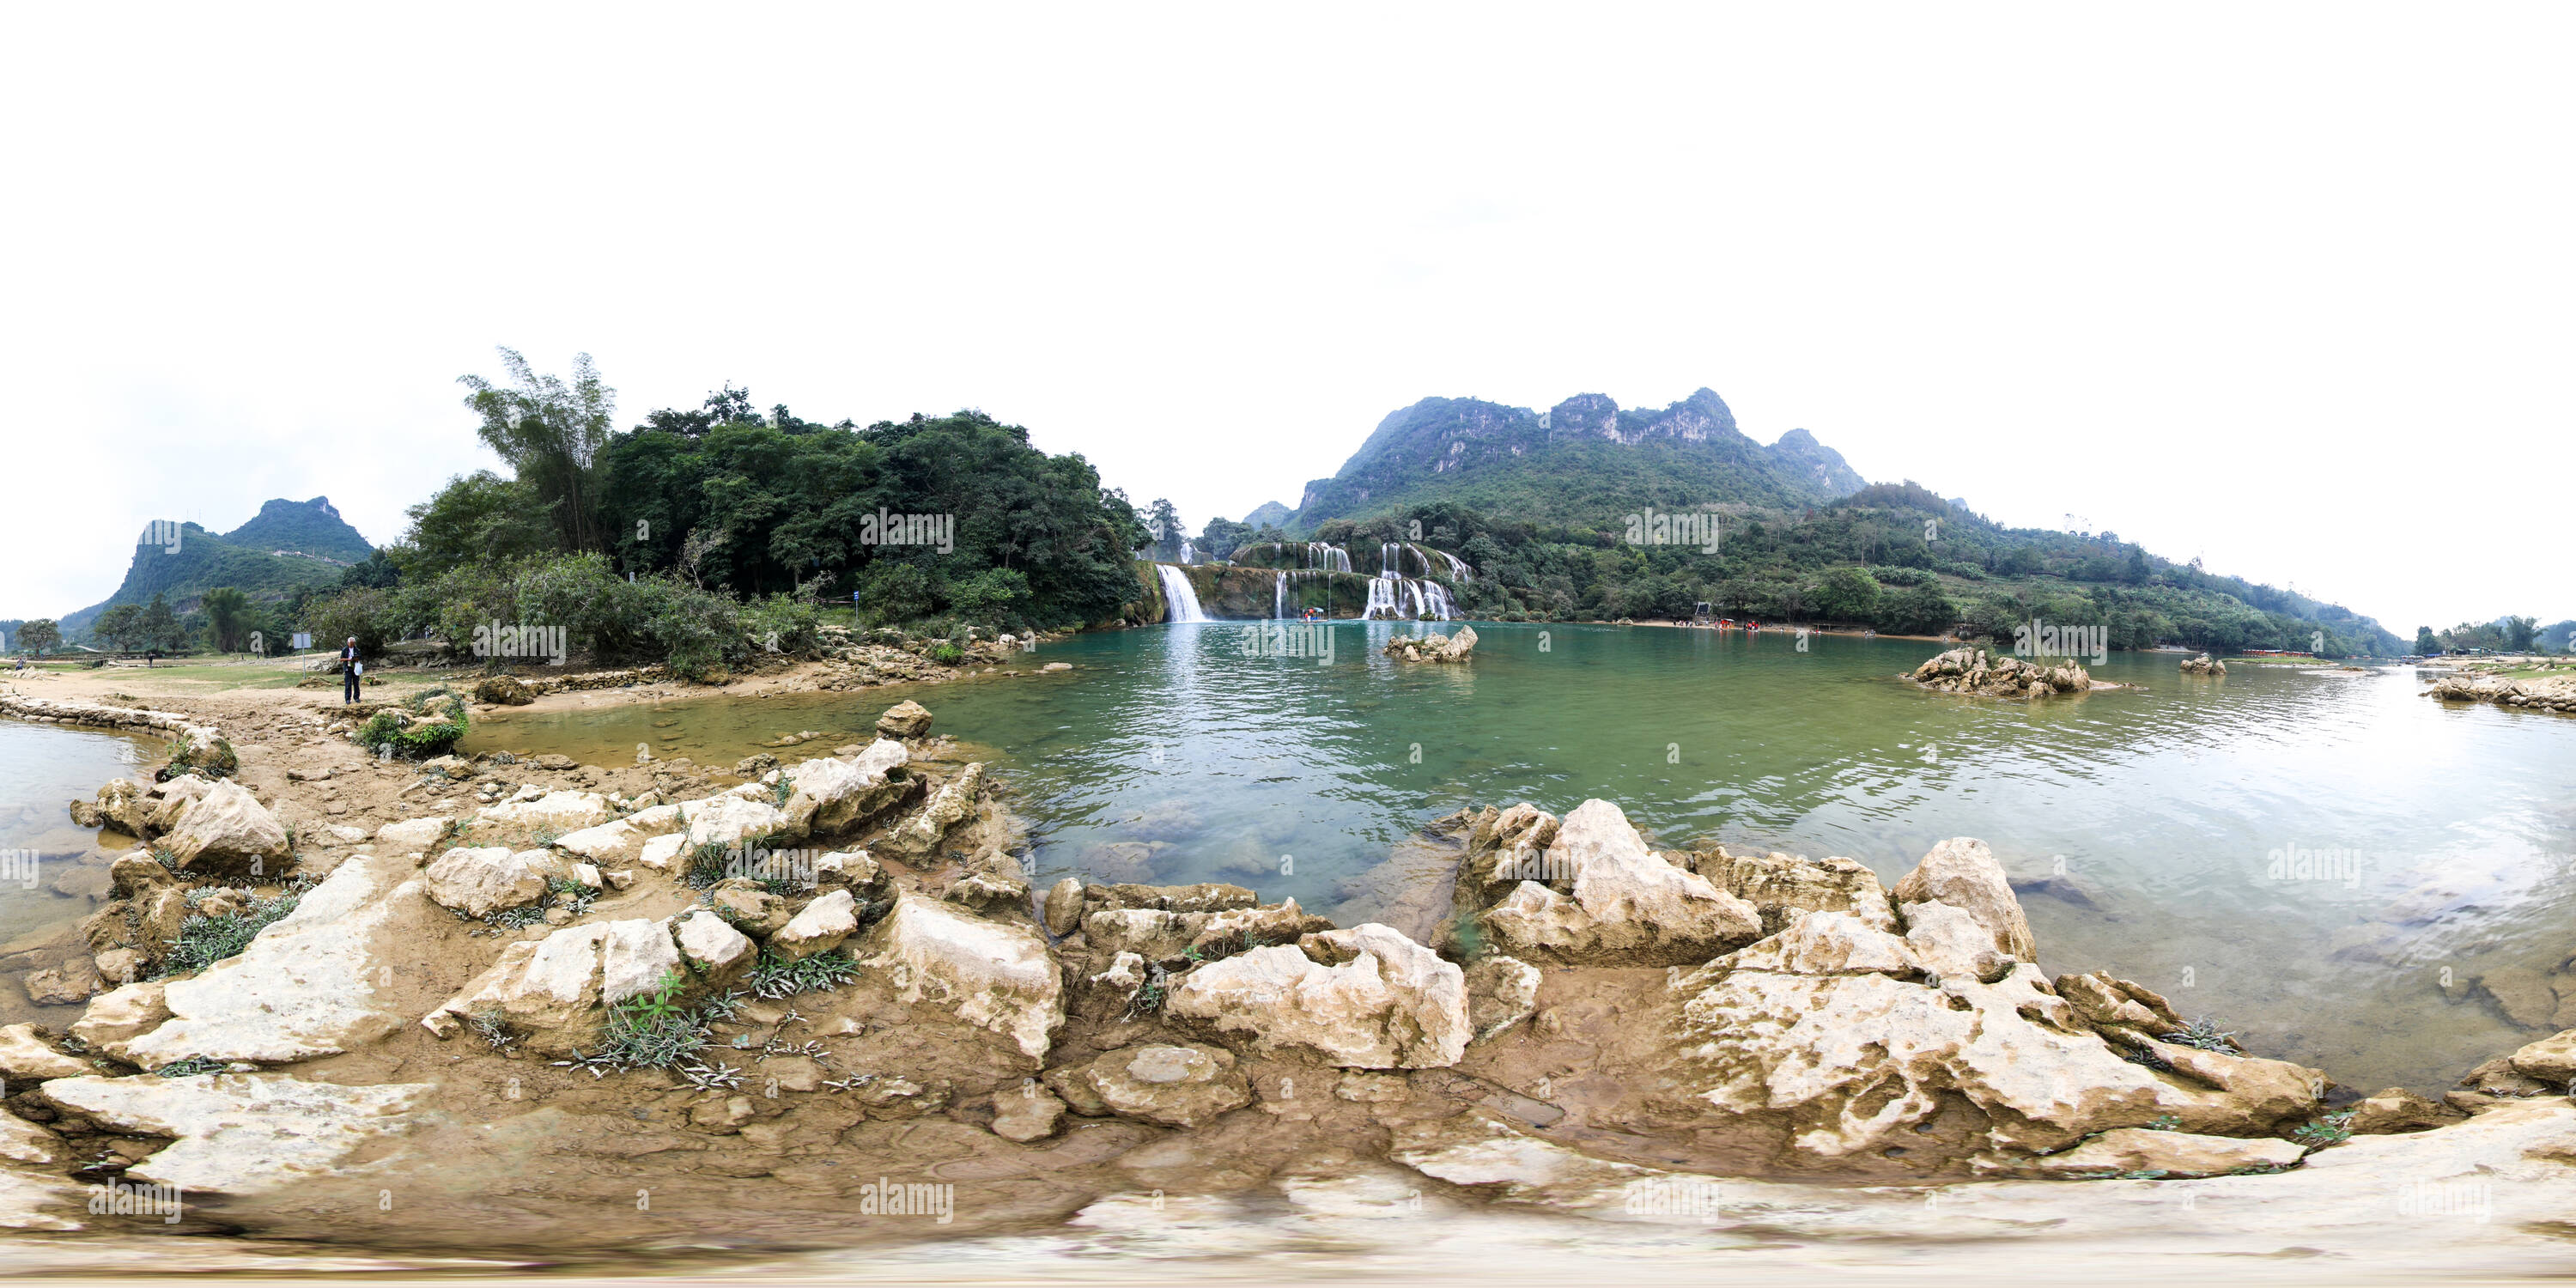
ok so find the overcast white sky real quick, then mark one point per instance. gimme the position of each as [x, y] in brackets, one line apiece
[2287, 287]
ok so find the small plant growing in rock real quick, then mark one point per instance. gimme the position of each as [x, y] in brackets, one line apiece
[775, 977]
[2165, 1123]
[706, 865]
[2326, 1132]
[190, 1067]
[2204, 1034]
[782, 791]
[204, 940]
[490, 1026]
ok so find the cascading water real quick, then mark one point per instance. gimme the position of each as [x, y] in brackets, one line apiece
[1400, 597]
[1181, 601]
[1327, 558]
[1187, 555]
[1279, 597]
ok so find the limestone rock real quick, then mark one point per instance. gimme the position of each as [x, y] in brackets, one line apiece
[123, 1013]
[2551, 1060]
[123, 804]
[855, 870]
[820, 927]
[1948, 942]
[835, 795]
[1848, 1062]
[482, 880]
[241, 1133]
[1454, 647]
[228, 831]
[1629, 906]
[557, 811]
[2399, 1110]
[718, 953]
[1030, 1113]
[1064, 907]
[133, 876]
[556, 990]
[1174, 1086]
[25, 1058]
[1827, 943]
[906, 719]
[25, 1142]
[1780, 886]
[1501, 992]
[1963, 873]
[729, 820]
[947, 807]
[76, 980]
[989, 974]
[412, 835]
[1386, 1002]
[308, 985]
[2129, 1151]
[754, 911]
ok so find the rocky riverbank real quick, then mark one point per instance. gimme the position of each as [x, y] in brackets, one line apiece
[2555, 693]
[543, 1010]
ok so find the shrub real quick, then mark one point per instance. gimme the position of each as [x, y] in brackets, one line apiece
[428, 725]
[203, 941]
[204, 759]
[947, 654]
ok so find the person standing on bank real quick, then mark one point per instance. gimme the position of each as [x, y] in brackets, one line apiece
[349, 671]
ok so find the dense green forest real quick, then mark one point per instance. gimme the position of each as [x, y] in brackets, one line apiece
[1892, 557]
[705, 533]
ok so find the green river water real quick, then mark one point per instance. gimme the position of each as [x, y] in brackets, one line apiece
[2140, 823]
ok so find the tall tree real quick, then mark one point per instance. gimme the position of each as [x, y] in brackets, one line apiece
[550, 431]
[118, 627]
[228, 619]
[2425, 644]
[1168, 532]
[158, 627]
[40, 635]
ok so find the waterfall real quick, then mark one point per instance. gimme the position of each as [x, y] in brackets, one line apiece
[1181, 602]
[1381, 597]
[1186, 556]
[1327, 558]
[1279, 597]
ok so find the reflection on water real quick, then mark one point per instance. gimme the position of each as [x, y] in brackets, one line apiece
[2141, 823]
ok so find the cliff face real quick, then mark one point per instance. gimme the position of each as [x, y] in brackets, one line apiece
[1571, 459]
[287, 544]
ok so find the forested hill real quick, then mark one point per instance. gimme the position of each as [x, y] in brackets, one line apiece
[287, 545]
[1582, 458]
